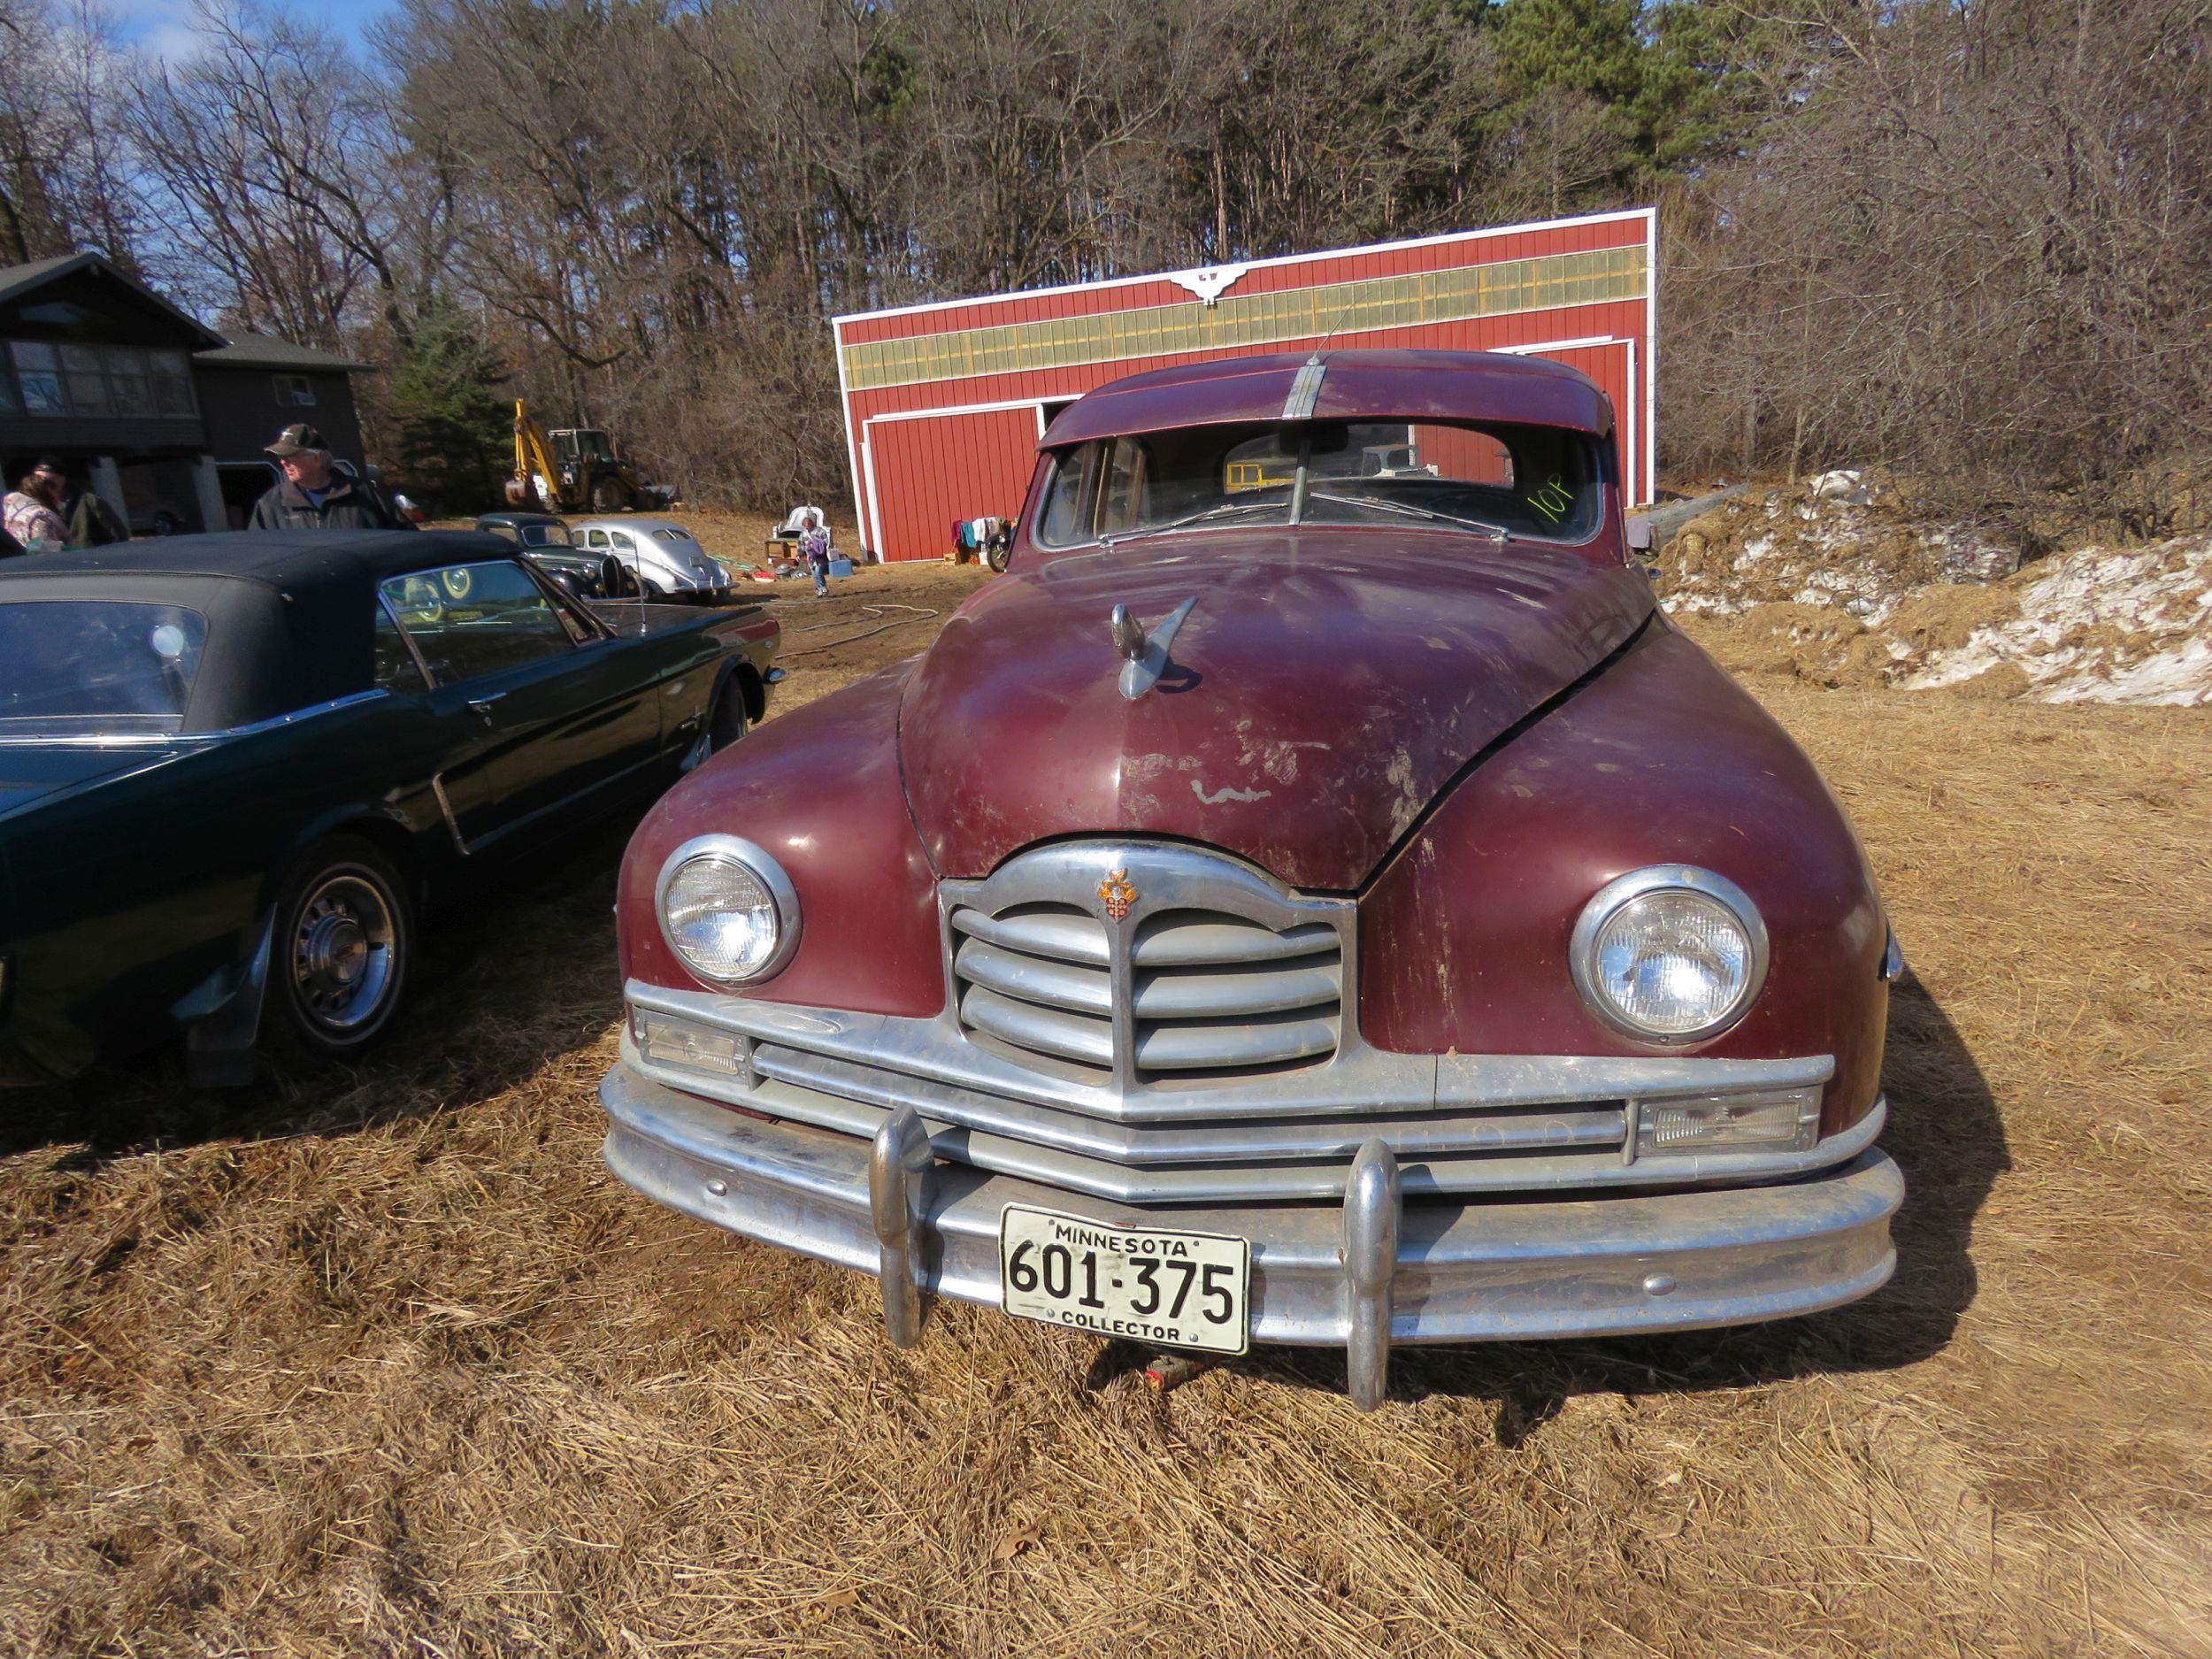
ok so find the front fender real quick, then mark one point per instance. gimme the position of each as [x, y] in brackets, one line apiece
[1663, 759]
[819, 788]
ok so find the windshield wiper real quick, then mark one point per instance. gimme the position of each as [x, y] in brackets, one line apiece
[1406, 509]
[1219, 510]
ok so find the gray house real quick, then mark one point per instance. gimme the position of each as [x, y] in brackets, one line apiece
[162, 415]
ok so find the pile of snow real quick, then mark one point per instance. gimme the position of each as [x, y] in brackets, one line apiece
[2099, 626]
[1846, 589]
[1832, 541]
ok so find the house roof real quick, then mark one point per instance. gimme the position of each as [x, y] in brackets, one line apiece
[18, 281]
[266, 351]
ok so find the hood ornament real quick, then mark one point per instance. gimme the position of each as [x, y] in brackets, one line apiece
[1144, 654]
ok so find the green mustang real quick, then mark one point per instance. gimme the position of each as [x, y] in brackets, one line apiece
[234, 769]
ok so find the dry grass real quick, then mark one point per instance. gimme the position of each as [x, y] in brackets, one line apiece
[383, 1362]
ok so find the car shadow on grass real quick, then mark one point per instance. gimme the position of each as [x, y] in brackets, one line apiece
[1946, 1136]
[504, 981]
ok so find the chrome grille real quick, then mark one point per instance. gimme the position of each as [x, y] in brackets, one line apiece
[1210, 975]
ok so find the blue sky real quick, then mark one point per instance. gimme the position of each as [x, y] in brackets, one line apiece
[164, 27]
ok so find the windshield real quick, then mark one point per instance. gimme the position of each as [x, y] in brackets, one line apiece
[585, 442]
[91, 665]
[1539, 483]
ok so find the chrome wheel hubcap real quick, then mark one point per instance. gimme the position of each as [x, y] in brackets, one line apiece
[342, 952]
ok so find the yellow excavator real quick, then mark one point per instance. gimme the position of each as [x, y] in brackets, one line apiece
[575, 469]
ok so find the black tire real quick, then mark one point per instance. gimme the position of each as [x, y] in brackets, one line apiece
[997, 557]
[609, 494]
[343, 944]
[728, 724]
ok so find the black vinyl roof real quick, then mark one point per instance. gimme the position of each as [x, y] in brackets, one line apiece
[291, 614]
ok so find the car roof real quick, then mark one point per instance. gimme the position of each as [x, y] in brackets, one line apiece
[649, 526]
[296, 560]
[519, 516]
[291, 614]
[1325, 385]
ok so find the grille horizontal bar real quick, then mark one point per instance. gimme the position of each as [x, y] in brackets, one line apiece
[1067, 934]
[1227, 992]
[1315, 1165]
[1053, 1031]
[1194, 939]
[1247, 1042]
[1569, 1126]
[1071, 985]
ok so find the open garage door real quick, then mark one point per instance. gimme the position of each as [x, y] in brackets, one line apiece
[924, 472]
[1612, 365]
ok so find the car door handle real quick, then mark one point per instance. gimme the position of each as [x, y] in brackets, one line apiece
[481, 707]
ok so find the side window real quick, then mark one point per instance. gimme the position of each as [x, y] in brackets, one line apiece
[469, 620]
[1121, 498]
[505, 532]
[622, 543]
[1067, 494]
[594, 538]
[396, 669]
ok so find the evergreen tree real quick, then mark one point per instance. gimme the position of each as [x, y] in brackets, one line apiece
[452, 426]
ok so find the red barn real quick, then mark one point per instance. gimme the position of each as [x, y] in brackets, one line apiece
[944, 403]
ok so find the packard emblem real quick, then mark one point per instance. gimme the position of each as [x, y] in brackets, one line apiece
[1117, 894]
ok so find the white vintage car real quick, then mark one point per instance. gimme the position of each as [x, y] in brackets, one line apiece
[665, 558]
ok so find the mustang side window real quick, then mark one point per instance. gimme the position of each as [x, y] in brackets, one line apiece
[469, 620]
[396, 669]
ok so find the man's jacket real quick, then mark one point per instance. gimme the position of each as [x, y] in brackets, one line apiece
[346, 506]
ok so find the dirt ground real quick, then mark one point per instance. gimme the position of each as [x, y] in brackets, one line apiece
[382, 1362]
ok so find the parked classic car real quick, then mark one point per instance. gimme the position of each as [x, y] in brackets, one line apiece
[549, 543]
[1304, 902]
[667, 558]
[232, 765]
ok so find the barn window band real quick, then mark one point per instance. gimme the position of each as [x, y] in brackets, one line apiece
[1498, 289]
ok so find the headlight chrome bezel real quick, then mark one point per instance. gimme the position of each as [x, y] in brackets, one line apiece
[756, 862]
[1624, 890]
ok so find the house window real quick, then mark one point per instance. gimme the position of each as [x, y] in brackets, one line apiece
[92, 382]
[293, 391]
[38, 374]
[170, 373]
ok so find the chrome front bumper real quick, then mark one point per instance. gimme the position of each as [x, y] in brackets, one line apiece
[1361, 1275]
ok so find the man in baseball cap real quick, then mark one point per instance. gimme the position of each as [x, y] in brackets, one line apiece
[313, 496]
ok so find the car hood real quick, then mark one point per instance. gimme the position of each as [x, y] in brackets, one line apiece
[1321, 691]
[33, 772]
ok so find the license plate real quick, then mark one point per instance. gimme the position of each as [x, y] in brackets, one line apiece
[1150, 1284]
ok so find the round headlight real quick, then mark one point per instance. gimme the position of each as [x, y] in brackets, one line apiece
[1672, 954]
[728, 909]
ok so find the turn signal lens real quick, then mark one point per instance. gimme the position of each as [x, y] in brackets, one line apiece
[680, 1042]
[1788, 1119]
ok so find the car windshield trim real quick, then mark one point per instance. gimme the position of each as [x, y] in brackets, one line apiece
[1503, 481]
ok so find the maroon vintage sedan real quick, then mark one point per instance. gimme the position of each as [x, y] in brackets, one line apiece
[1315, 898]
